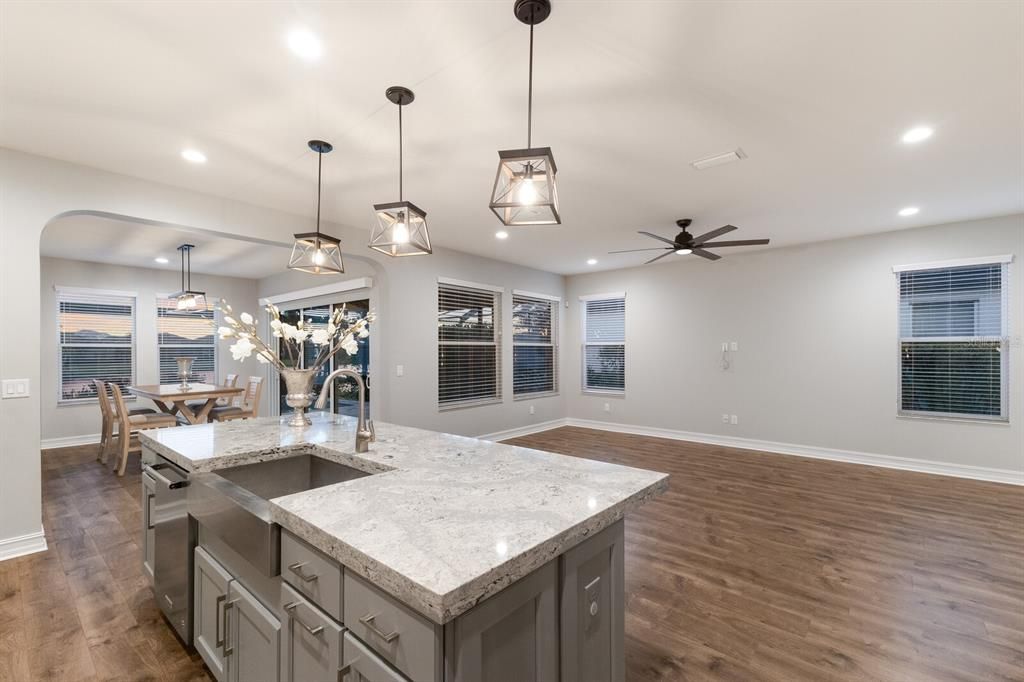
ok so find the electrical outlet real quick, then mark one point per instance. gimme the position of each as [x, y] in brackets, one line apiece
[734, 346]
[399, 370]
[725, 419]
[532, 411]
[734, 420]
[607, 407]
[725, 346]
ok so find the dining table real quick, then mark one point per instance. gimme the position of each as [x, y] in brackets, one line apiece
[173, 398]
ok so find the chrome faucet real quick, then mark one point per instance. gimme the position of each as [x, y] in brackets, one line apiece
[364, 428]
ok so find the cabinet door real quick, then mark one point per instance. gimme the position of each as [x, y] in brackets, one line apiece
[512, 636]
[254, 638]
[148, 532]
[208, 616]
[311, 644]
[362, 665]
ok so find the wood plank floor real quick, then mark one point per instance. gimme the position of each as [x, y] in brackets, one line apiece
[752, 567]
[758, 566]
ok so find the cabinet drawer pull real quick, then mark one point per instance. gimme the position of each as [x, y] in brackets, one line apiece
[290, 608]
[218, 637]
[225, 649]
[296, 568]
[388, 637]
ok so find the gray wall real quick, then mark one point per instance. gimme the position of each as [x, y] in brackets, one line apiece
[817, 363]
[65, 421]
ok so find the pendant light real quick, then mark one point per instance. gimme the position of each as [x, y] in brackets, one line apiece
[315, 252]
[188, 299]
[401, 225]
[524, 189]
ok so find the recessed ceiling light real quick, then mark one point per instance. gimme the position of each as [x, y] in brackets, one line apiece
[591, 261]
[161, 260]
[501, 234]
[909, 211]
[918, 134]
[304, 44]
[193, 155]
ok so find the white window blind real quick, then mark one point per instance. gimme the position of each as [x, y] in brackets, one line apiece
[96, 332]
[468, 353]
[534, 354]
[953, 341]
[604, 344]
[185, 333]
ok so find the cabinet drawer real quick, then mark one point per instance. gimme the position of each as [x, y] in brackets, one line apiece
[312, 647]
[401, 636]
[312, 573]
[361, 665]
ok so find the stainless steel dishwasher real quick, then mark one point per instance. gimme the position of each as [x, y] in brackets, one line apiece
[165, 488]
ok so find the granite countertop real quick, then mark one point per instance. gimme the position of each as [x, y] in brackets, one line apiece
[445, 522]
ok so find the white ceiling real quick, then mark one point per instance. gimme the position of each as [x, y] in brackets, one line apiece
[626, 94]
[118, 242]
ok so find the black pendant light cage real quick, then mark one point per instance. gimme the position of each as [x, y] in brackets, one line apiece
[525, 192]
[315, 252]
[187, 299]
[401, 228]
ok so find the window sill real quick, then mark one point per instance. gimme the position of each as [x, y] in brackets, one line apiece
[984, 421]
[448, 407]
[606, 394]
[535, 396]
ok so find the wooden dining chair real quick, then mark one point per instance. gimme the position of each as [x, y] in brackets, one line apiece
[248, 409]
[129, 425]
[230, 381]
[108, 420]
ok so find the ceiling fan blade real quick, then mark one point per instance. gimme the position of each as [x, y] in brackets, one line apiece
[706, 254]
[660, 239]
[712, 234]
[667, 252]
[653, 248]
[741, 242]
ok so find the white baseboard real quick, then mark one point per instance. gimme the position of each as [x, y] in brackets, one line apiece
[69, 441]
[849, 456]
[524, 430]
[22, 545]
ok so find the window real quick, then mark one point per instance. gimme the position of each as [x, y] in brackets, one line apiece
[534, 351]
[96, 332]
[185, 334]
[604, 343]
[468, 356]
[953, 341]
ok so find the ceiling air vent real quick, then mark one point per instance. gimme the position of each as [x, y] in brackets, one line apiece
[719, 159]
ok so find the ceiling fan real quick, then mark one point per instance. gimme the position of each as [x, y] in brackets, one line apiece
[685, 243]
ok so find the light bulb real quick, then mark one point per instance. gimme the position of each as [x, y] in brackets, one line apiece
[684, 252]
[400, 233]
[527, 193]
[318, 257]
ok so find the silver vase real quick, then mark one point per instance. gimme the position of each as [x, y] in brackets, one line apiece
[299, 383]
[184, 371]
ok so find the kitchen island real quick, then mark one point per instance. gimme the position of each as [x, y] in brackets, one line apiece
[449, 558]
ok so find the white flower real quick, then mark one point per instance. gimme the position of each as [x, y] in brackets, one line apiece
[295, 334]
[320, 337]
[350, 345]
[364, 332]
[246, 318]
[225, 332]
[262, 357]
[275, 327]
[242, 349]
[331, 329]
[230, 320]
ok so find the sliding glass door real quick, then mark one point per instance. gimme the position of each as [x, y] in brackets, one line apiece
[344, 392]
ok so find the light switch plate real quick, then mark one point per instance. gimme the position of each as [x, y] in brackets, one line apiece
[15, 388]
[399, 370]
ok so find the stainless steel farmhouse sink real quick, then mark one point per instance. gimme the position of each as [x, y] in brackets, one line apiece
[233, 502]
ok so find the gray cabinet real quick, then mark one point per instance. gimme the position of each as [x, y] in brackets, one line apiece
[210, 593]
[510, 637]
[592, 609]
[253, 636]
[363, 666]
[148, 530]
[311, 647]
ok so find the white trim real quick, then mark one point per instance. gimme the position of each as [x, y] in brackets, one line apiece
[1010, 476]
[533, 294]
[20, 545]
[601, 297]
[955, 263]
[471, 285]
[323, 290]
[524, 430]
[88, 291]
[69, 441]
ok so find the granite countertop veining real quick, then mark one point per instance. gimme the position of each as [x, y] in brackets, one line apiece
[445, 522]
